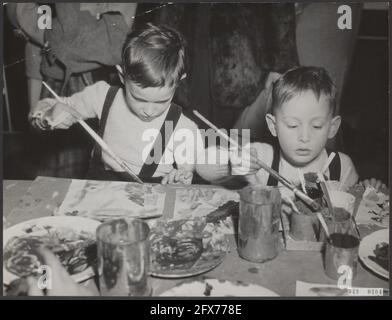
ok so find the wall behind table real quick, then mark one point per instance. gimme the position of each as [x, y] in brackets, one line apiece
[364, 104]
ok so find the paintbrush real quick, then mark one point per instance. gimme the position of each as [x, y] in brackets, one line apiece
[93, 134]
[305, 198]
[302, 180]
[324, 225]
[283, 230]
[325, 192]
[329, 160]
[356, 227]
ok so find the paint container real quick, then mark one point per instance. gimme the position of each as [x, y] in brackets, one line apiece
[123, 258]
[258, 227]
[341, 252]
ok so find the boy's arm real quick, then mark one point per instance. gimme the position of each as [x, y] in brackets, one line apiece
[213, 165]
[190, 155]
[87, 103]
[253, 116]
[51, 114]
[346, 164]
[184, 153]
[219, 165]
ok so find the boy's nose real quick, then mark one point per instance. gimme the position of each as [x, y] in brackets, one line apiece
[304, 135]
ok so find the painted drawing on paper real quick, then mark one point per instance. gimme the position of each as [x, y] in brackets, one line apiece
[104, 200]
[198, 202]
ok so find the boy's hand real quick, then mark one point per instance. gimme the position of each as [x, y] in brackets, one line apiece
[377, 184]
[36, 115]
[61, 282]
[178, 176]
[244, 162]
[49, 115]
[288, 198]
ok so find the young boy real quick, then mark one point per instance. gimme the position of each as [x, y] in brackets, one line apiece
[302, 118]
[135, 120]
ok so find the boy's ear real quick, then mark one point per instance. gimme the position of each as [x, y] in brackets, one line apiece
[120, 73]
[271, 122]
[335, 125]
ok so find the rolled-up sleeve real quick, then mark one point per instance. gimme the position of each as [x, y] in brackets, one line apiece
[89, 101]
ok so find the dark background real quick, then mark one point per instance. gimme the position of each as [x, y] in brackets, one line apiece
[364, 104]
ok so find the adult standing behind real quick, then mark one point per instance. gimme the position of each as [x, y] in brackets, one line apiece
[84, 37]
[83, 47]
[319, 42]
[24, 17]
[233, 48]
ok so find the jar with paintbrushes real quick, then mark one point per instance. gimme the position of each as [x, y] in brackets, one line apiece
[258, 228]
[304, 223]
[342, 240]
[341, 245]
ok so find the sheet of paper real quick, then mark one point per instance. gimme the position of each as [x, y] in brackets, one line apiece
[108, 199]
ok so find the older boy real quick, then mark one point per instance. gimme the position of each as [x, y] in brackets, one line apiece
[135, 120]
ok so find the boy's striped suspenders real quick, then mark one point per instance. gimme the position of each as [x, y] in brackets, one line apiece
[149, 167]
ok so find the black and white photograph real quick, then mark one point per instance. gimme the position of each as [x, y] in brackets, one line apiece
[196, 150]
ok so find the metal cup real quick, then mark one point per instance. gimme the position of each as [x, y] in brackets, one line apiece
[123, 258]
[258, 227]
[341, 253]
[304, 226]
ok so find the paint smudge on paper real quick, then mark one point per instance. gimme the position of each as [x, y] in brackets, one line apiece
[104, 200]
[198, 202]
[253, 270]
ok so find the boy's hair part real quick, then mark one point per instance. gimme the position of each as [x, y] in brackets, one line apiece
[154, 56]
[302, 79]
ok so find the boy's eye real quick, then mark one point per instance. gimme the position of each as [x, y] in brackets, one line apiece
[317, 126]
[292, 126]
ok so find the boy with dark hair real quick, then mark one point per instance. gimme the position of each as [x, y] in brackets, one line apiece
[139, 120]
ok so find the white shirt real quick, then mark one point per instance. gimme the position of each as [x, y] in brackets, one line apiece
[219, 171]
[130, 138]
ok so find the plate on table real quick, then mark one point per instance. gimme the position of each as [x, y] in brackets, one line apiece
[186, 247]
[71, 239]
[374, 252]
[218, 288]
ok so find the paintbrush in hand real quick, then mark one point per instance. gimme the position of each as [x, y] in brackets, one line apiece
[93, 134]
[305, 198]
